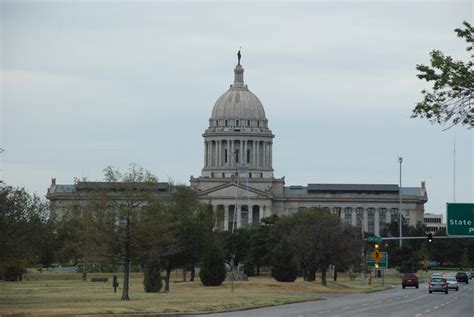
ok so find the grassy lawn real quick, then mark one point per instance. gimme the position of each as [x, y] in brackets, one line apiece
[50, 294]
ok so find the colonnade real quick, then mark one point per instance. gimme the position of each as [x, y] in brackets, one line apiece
[228, 152]
[244, 214]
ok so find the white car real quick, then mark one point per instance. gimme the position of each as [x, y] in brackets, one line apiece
[452, 282]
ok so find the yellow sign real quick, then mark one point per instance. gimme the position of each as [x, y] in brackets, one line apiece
[377, 256]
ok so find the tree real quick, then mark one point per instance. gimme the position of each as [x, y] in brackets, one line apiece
[152, 276]
[126, 196]
[23, 219]
[451, 97]
[212, 271]
[284, 265]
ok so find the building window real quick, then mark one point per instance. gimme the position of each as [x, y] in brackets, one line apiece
[359, 217]
[237, 122]
[382, 218]
[407, 212]
[370, 220]
[248, 123]
[225, 156]
[348, 215]
[212, 174]
[337, 211]
[223, 175]
[258, 124]
[237, 156]
[225, 123]
[261, 175]
[248, 156]
[394, 215]
[250, 175]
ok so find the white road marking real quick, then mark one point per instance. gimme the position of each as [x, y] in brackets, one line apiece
[436, 307]
[427, 311]
[324, 311]
[347, 307]
[378, 302]
[405, 296]
[365, 304]
[418, 315]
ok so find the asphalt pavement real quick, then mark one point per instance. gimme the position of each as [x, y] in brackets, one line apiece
[409, 302]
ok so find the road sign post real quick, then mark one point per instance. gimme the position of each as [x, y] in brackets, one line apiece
[460, 219]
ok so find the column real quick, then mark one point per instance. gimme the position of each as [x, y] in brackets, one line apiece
[226, 217]
[264, 158]
[254, 159]
[205, 153]
[244, 151]
[365, 220]
[354, 217]
[232, 156]
[219, 152]
[250, 211]
[239, 216]
[258, 155]
[271, 155]
[229, 142]
[377, 222]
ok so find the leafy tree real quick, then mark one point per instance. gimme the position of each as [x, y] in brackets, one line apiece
[212, 271]
[450, 99]
[135, 188]
[23, 219]
[284, 265]
[152, 276]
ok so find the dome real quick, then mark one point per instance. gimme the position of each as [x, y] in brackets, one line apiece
[238, 102]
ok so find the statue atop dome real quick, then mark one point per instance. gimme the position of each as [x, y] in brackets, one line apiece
[238, 57]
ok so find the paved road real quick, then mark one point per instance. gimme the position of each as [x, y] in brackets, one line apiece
[394, 302]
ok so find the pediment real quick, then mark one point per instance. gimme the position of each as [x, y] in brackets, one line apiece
[232, 190]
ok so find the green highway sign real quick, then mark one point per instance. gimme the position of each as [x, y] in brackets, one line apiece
[432, 263]
[374, 239]
[383, 262]
[460, 219]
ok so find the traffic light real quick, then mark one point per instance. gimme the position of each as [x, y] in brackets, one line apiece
[376, 265]
[376, 246]
[430, 237]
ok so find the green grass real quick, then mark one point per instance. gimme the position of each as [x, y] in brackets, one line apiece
[55, 294]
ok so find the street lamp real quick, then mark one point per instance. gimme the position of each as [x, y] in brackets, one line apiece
[400, 160]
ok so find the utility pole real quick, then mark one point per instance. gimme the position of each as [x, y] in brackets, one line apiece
[400, 160]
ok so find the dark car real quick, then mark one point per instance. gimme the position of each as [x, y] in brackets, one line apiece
[462, 277]
[438, 284]
[409, 279]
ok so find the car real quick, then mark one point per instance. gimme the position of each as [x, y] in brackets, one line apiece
[462, 277]
[469, 275]
[409, 279]
[435, 275]
[452, 283]
[438, 284]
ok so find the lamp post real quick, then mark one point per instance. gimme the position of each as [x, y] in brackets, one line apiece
[400, 160]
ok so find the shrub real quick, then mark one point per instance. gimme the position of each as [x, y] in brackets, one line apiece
[212, 272]
[284, 267]
[152, 277]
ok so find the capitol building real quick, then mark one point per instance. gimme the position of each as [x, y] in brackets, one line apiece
[238, 181]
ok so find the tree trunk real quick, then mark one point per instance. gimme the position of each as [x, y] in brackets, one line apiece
[335, 273]
[126, 269]
[258, 269]
[167, 279]
[323, 276]
[184, 275]
[84, 274]
[193, 273]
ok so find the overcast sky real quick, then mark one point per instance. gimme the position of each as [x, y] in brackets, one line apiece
[85, 85]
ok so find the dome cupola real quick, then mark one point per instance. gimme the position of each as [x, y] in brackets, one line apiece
[238, 103]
